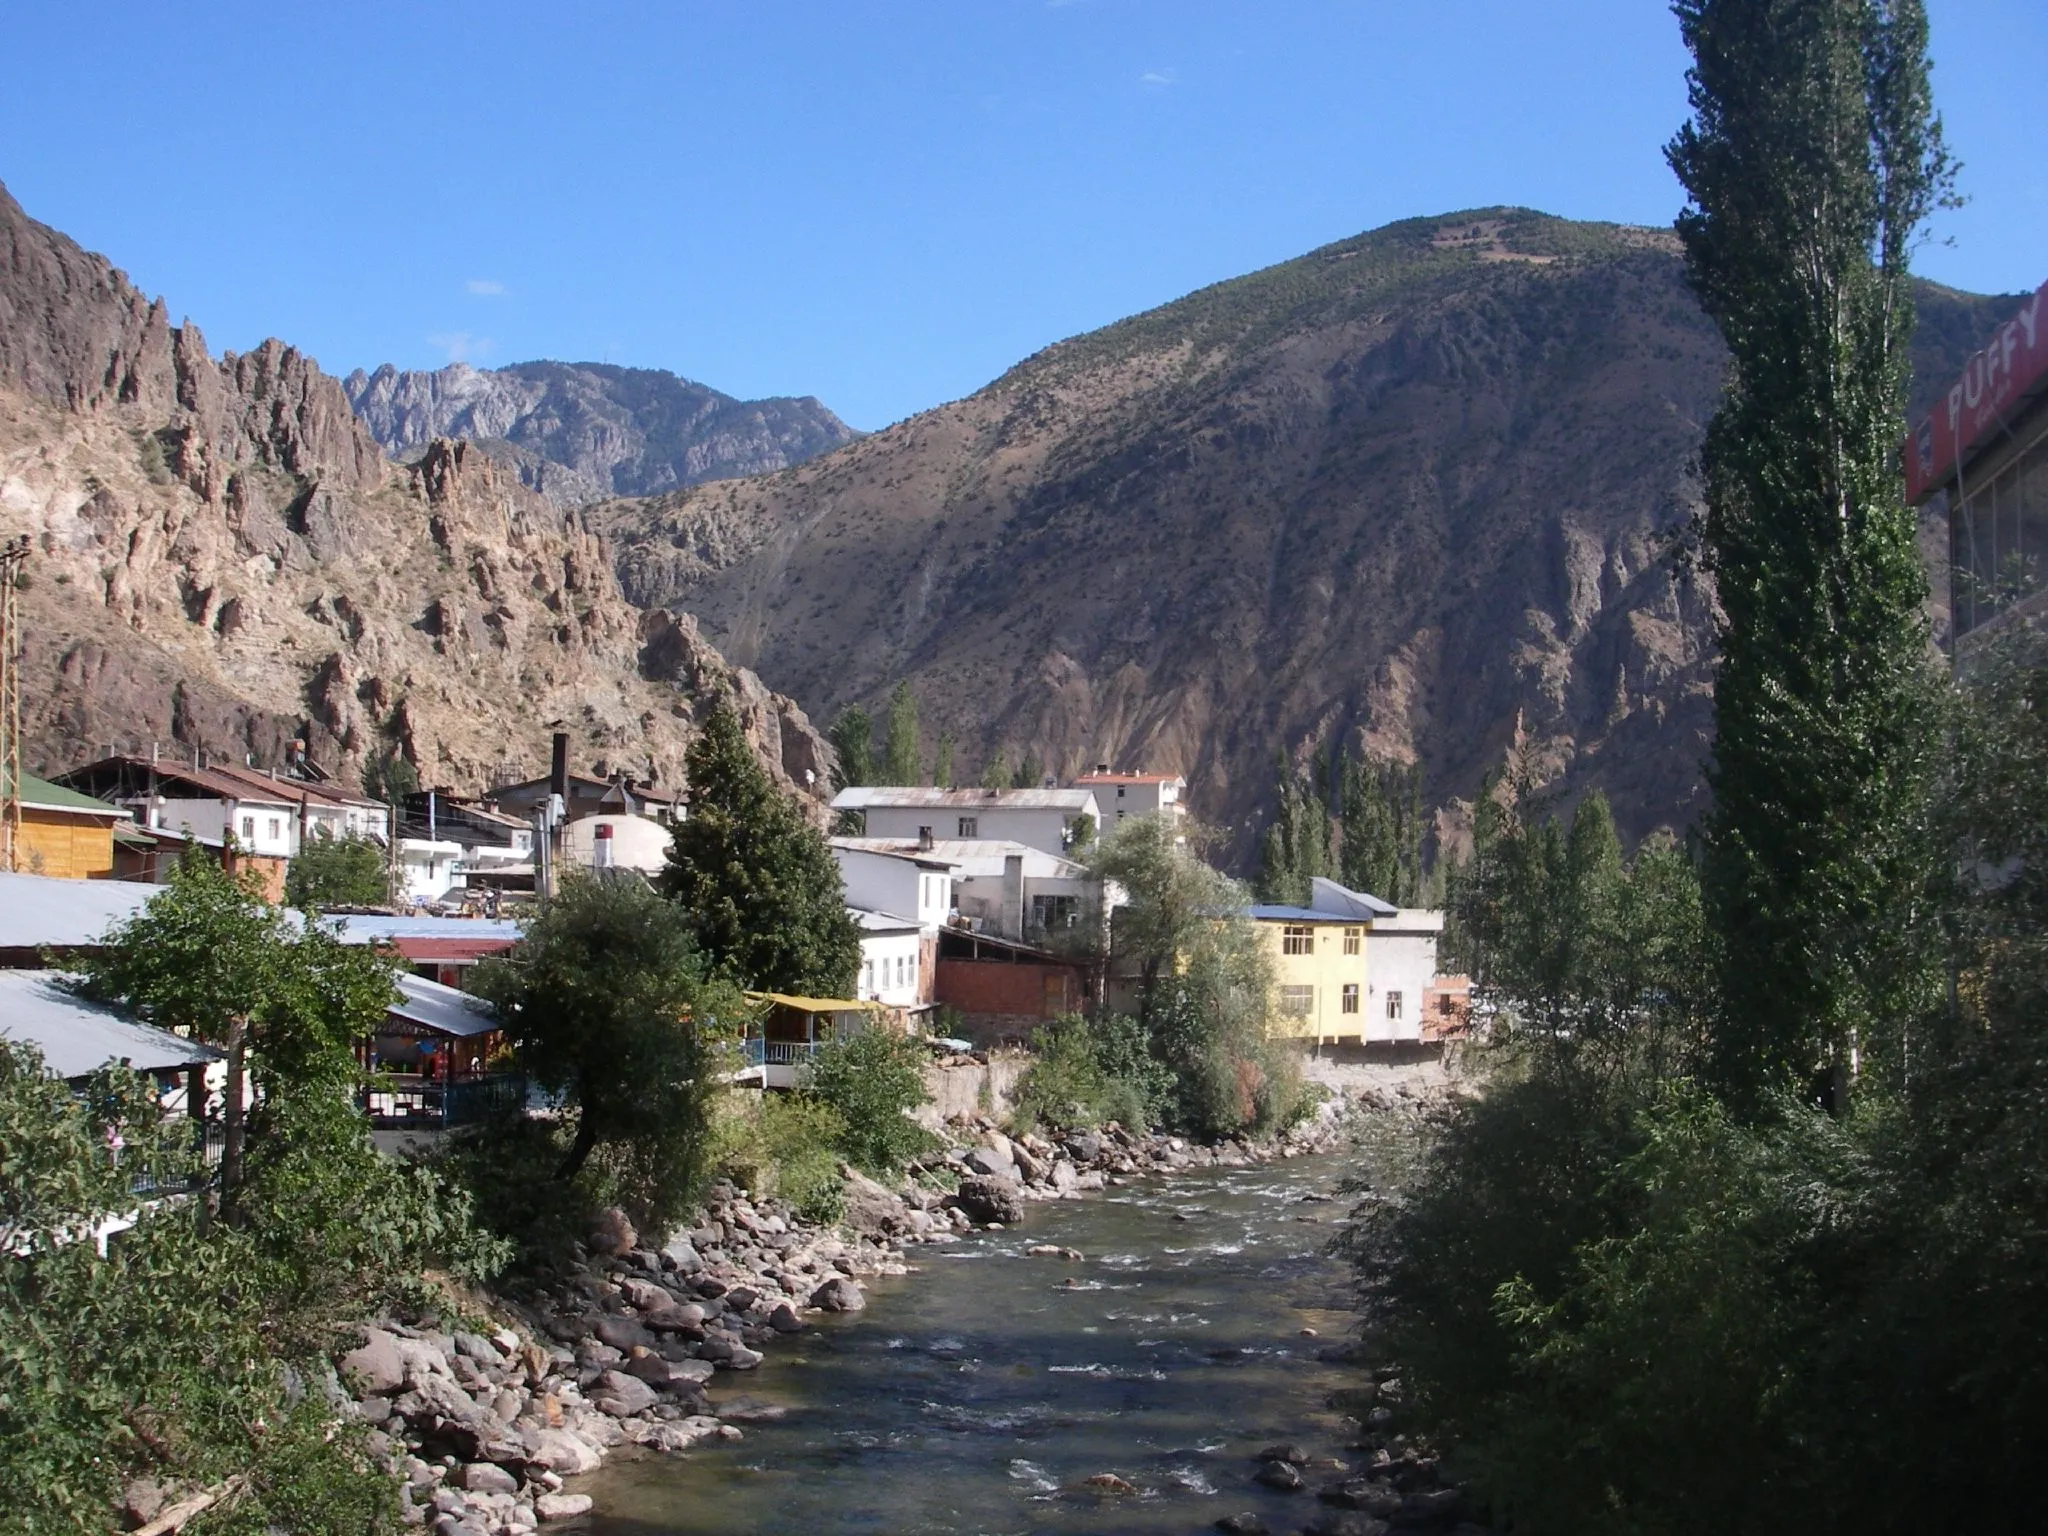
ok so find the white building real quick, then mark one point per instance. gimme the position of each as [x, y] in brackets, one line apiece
[895, 879]
[895, 971]
[1008, 889]
[1043, 819]
[1124, 795]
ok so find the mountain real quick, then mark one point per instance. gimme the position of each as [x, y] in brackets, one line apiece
[223, 561]
[1416, 492]
[576, 432]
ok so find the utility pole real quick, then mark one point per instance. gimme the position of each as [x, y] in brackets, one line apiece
[13, 556]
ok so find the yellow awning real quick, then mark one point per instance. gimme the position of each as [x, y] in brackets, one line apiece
[816, 1004]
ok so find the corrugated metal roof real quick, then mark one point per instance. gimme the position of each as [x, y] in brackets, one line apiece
[881, 922]
[39, 910]
[817, 1004]
[865, 797]
[365, 928]
[42, 795]
[77, 1036]
[1269, 912]
[1128, 778]
[442, 1009]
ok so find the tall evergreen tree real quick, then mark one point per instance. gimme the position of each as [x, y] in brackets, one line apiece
[1379, 818]
[996, 774]
[1812, 158]
[1296, 847]
[902, 746]
[942, 762]
[853, 741]
[1029, 772]
[764, 896]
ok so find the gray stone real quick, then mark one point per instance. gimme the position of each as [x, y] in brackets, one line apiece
[987, 1199]
[682, 1255]
[564, 1452]
[479, 1349]
[622, 1333]
[482, 1477]
[993, 1164]
[1279, 1475]
[1245, 1524]
[611, 1232]
[839, 1294]
[1085, 1147]
[562, 1506]
[457, 1525]
[621, 1395]
[783, 1319]
[376, 1366]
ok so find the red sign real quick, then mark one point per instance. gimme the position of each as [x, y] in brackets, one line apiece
[1993, 382]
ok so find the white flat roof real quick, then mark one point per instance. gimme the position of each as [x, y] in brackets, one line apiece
[864, 797]
[444, 1010]
[881, 922]
[77, 1036]
[39, 910]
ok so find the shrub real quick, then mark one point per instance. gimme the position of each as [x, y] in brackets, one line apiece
[788, 1145]
[1089, 1071]
[872, 1081]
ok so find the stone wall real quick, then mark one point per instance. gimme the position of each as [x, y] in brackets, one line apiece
[968, 1086]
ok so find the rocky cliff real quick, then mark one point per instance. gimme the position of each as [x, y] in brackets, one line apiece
[576, 432]
[1417, 491]
[223, 560]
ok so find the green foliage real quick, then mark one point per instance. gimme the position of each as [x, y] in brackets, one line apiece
[1086, 1072]
[902, 745]
[1811, 161]
[788, 1145]
[389, 776]
[1379, 823]
[1203, 981]
[871, 1081]
[605, 1003]
[995, 774]
[1030, 773]
[942, 762]
[338, 872]
[758, 881]
[1296, 847]
[853, 740]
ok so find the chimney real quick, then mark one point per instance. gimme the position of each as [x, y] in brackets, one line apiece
[558, 771]
[601, 846]
[1102, 767]
[1011, 924]
[924, 838]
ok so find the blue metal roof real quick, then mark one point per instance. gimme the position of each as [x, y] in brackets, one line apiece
[1273, 914]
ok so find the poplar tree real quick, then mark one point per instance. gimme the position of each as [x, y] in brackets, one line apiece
[1379, 819]
[902, 746]
[1812, 159]
[1296, 847]
[853, 742]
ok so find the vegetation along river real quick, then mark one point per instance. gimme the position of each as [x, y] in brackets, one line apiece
[976, 1395]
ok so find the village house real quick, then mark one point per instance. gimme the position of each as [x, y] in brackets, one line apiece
[1047, 820]
[448, 843]
[1348, 967]
[66, 834]
[1121, 796]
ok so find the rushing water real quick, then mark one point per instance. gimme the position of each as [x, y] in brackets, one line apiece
[974, 1397]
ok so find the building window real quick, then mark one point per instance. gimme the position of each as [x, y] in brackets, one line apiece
[248, 829]
[1297, 1002]
[970, 826]
[1053, 913]
[1354, 940]
[1119, 791]
[867, 975]
[1393, 1005]
[276, 829]
[1297, 939]
[1350, 997]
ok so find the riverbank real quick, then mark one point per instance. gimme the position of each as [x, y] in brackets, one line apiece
[487, 1426]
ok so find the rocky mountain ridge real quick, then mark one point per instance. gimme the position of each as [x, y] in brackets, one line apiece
[577, 432]
[224, 561]
[1417, 491]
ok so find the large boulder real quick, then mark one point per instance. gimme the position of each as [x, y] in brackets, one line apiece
[621, 1395]
[987, 1198]
[870, 1208]
[375, 1368]
[622, 1333]
[611, 1232]
[990, 1163]
[682, 1255]
[839, 1294]
[564, 1452]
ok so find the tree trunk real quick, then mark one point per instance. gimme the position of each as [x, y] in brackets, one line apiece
[580, 1149]
[232, 1112]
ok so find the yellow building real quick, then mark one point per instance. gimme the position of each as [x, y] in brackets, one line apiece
[64, 833]
[1318, 970]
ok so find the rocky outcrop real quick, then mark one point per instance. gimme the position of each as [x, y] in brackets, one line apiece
[577, 432]
[224, 563]
[1402, 493]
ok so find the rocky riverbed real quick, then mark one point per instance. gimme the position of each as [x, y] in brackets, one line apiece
[488, 1428]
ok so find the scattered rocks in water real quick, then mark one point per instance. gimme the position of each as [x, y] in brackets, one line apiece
[1288, 1451]
[1281, 1476]
[1054, 1251]
[1245, 1524]
[839, 1294]
[1108, 1483]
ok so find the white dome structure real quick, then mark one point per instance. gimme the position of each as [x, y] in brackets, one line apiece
[616, 842]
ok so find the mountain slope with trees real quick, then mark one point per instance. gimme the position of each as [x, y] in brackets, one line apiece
[1414, 493]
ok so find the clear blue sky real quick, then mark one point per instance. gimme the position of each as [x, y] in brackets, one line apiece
[882, 204]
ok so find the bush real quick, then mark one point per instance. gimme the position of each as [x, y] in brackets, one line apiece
[872, 1081]
[337, 872]
[787, 1145]
[1089, 1071]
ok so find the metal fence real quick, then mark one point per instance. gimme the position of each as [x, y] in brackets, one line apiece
[402, 1100]
[777, 1053]
[210, 1140]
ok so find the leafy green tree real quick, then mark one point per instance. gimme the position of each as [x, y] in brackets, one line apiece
[338, 872]
[209, 957]
[391, 778]
[1379, 819]
[942, 761]
[995, 774]
[871, 1081]
[758, 881]
[1811, 162]
[853, 741]
[1296, 847]
[1203, 981]
[1030, 773]
[902, 745]
[605, 1002]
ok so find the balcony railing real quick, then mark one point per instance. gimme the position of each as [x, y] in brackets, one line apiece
[777, 1053]
[403, 1099]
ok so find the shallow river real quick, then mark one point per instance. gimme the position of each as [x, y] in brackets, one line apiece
[970, 1398]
